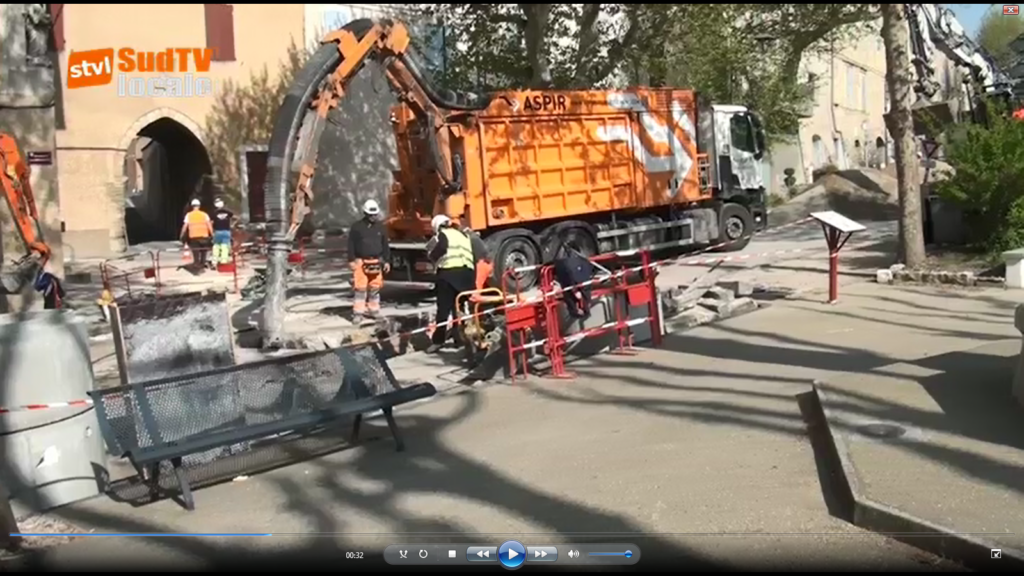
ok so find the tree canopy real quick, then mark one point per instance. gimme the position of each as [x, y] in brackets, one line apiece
[741, 53]
[997, 32]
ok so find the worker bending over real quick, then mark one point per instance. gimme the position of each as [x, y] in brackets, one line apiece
[221, 233]
[369, 256]
[196, 234]
[571, 269]
[452, 252]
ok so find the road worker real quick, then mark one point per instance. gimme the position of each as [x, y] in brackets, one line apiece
[196, 234]
[484, 264]
[222, 220]
[571, 269]
[452, 252]
[369, 256]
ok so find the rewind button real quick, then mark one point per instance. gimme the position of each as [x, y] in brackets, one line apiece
[541, 554]
[482, 553]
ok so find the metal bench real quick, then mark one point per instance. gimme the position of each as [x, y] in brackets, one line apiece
[190, 425]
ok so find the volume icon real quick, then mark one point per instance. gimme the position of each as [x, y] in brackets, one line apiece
[574, 554]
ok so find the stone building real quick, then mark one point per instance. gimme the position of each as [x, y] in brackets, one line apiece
[134, 147]
[844, 127]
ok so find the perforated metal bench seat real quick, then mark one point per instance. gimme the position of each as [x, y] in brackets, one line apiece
[195, 420]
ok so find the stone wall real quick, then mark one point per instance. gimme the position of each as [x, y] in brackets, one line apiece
[27, 113]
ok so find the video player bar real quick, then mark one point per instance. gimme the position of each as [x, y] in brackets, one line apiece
[512, 554]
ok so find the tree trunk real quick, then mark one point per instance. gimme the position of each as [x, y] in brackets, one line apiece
[899, 79]
[537, 16]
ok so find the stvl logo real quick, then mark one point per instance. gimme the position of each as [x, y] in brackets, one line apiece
[96, 68]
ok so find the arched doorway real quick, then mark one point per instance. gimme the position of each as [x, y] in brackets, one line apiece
[166, 166]
[880, 152]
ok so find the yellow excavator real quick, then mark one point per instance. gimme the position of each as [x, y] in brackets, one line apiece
[28, 269]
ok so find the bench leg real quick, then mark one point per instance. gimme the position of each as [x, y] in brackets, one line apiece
[186, 489]
[152, 479]
[356, 424]
[393, 426]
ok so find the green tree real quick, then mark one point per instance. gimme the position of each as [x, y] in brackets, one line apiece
[243, 114]
[997, 32]
[743, 53]
[987, 180]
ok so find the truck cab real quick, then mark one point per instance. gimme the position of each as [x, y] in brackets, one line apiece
[738, 144]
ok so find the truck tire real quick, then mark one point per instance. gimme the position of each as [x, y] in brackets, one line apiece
[735, 222]
[515, 249]
[581, 232]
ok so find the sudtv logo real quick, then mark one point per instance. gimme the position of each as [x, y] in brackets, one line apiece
[180, 71]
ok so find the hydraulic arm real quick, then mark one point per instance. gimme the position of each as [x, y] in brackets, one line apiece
[303, 116]
[14, 173]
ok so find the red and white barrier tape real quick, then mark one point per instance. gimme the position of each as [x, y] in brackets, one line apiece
[33, 407]
[528, 301]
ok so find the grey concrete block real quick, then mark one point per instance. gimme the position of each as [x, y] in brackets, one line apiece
[965, 279]
[719, 293]
[737, 307]
[693, 317]
[738, 287]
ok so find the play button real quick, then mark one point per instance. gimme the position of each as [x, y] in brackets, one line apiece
[512, 554]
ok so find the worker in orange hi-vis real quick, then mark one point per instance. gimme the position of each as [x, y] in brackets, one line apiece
[369, 256]
[197, 234]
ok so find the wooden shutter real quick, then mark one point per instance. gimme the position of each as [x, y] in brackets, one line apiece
[220, 31]
[57, 25]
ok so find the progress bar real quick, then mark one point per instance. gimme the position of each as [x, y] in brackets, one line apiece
[142, 534]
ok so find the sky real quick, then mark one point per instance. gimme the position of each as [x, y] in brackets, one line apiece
[970, 16]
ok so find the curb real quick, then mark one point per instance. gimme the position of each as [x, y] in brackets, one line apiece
[972, 552]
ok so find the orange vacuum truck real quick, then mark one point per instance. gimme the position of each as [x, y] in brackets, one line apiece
[640, 168]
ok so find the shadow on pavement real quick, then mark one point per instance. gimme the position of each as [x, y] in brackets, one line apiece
[428, 468]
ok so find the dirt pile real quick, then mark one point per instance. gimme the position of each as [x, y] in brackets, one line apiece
[860, 194]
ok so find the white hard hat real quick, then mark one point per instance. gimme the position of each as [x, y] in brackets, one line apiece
[440, 220]
[371, 207]
[196, 202]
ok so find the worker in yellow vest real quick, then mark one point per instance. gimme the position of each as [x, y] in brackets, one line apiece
[454, 271]
[197, 234]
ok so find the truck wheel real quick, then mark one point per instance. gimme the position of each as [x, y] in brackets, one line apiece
[736, 222]
[517, 252]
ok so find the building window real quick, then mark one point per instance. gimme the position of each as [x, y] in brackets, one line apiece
[864, 92]
[220, 31]
[57, 25]
[855, 81]
[820, 157]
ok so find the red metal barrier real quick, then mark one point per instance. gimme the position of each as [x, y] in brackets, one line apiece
[628, 287]
[524, 319]
[109, 273]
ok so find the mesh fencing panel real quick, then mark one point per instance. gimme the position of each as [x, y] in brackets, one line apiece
[174, 335]
[155, 413]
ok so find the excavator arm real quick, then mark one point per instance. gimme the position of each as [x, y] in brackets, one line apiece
[14, 173]
[317, 90]
[303, 116]
[934, 29]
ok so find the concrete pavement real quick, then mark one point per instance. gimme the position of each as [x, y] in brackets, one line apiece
[700, 446]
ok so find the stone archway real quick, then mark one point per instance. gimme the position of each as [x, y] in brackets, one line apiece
[165, 165]
[156, 114]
